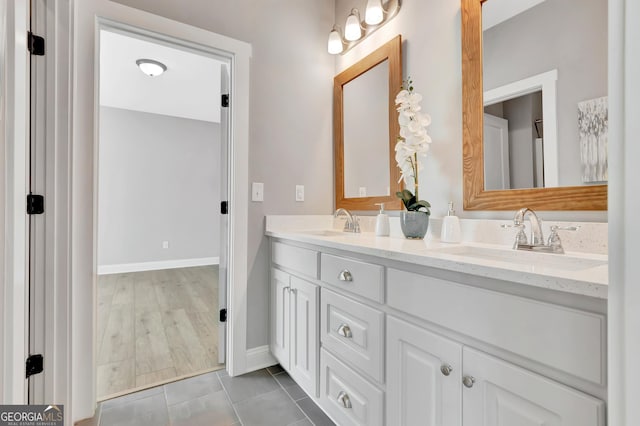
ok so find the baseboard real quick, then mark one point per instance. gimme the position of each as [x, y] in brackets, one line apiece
[154, 266]
[259, 357]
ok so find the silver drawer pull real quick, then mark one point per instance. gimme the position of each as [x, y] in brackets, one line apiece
[468, 381]
[446, 369]
[344, 399]
[345, 331]
[345, 275]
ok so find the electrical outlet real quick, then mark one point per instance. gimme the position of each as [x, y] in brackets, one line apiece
[362, 191]
[257, 191]
[299, 192]
[165, 244]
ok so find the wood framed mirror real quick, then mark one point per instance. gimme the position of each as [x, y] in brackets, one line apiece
[476, 197]
[365, 127]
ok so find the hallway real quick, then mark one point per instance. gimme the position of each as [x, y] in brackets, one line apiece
[156, 326]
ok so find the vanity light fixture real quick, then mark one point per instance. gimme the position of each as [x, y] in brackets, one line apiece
[355, 30]
[352, 29]
[150, 67]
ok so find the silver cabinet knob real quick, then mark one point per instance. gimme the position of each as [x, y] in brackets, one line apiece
[344, 399]
[468, 381]
[287, 288]
[345, 331]
[345, 275]
[446, 369]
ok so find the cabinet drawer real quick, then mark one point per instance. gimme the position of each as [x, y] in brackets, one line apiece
[297, 259]
[354, 332]
[347, 397]
[364, 279]
[563, 338]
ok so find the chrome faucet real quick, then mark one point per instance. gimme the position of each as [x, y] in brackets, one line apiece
[553, 245]
[351, 224]
[536, 226]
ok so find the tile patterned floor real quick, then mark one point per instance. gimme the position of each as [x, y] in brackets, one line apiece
[266, 397]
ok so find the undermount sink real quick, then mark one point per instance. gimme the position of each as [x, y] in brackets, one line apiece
[533, 259]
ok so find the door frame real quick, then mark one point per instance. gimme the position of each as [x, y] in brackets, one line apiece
[88, 15]
[14, 155]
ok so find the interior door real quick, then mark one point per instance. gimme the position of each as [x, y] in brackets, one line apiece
[496, 153]
[223, 270]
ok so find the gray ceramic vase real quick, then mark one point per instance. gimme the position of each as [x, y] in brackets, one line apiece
[414, 224]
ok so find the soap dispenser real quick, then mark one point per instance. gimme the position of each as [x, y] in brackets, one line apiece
[382, 222]
[450, 227]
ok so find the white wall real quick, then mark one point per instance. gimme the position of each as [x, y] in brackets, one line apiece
[159, 180]
[554, 35]
[624, 227]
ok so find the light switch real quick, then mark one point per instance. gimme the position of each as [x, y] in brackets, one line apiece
[299, 192]
[165, 244]
[257, 191]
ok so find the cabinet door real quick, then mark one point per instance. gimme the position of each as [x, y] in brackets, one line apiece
[280, 316]
[503, 394]
[424, 372]
[304, 334]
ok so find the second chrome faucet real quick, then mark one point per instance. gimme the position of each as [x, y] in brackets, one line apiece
[553, 245]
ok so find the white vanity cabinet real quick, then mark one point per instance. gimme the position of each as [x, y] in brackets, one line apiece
[400, 345]
[424, 376]
[498, 393]
[294, 306]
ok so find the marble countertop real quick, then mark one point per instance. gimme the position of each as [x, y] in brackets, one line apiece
[574, 272]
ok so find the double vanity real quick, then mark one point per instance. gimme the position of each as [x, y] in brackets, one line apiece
[390, 331]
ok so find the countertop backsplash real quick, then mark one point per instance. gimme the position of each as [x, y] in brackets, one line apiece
[591, 237]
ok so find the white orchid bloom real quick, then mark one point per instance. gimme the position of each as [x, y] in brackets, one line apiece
[402, 97]
[413, 142]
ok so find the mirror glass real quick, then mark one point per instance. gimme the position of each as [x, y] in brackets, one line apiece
[545, 87]
[566, 170]
[366, 134]
[366, 128]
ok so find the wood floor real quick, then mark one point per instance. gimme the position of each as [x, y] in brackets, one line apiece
[156, 326]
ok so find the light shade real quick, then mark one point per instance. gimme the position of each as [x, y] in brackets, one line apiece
[352, 29]
[150, 67]
[335, 42]
[374, 13]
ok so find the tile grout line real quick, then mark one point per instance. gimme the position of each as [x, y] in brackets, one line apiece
[289, 395]
[224, 388]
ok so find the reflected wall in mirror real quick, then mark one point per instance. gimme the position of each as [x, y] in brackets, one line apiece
[366, 134]
[552, 47]
[366, 128]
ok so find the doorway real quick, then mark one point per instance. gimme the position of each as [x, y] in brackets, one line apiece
[161, 240]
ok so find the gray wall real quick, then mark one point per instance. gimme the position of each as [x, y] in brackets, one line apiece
[564, 34]
[290, 113]
[291, 106]
[159, 180]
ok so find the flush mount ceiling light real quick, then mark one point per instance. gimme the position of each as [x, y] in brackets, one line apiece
[355, 30]
[150, 67]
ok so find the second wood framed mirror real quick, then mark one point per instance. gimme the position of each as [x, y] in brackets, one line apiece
[476, 194]
[366, 128]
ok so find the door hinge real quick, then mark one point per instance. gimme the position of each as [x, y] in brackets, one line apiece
[36, 44]
[224, 207]
[35, 204]
[34, 364]
[225, 101]
[223, 315]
